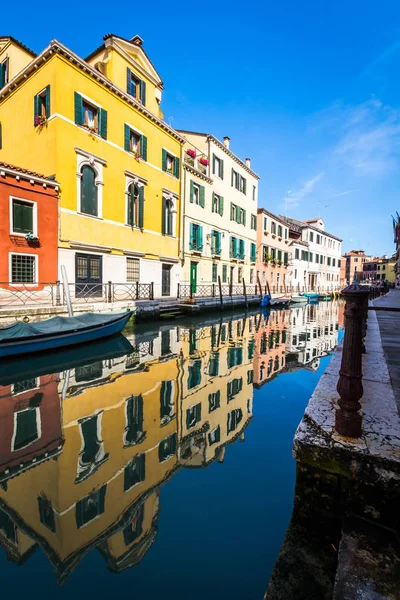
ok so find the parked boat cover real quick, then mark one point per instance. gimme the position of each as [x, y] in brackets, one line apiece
[55, 325]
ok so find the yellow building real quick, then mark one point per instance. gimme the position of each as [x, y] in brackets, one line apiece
[97, 124]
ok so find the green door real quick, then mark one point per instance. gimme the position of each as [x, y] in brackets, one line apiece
[193, 277]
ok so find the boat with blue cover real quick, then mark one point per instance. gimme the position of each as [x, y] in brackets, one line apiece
[310, 295]
[60, 332]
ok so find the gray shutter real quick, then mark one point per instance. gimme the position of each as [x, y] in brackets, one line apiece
[202, 196]
[128, 80]
[143, 147]
[103, 123]
[164, 160]
[222, 169]
[78, 109]
[35, 108]
[244, 217]
[191, 191]
[143, 92]
[221, 206]
[163, 220]
[47, 101]
[177, 168]
[141, 207]
[244, 185]
[2, 75]
[127, 137]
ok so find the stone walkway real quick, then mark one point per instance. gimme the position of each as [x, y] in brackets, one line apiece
[389, 302]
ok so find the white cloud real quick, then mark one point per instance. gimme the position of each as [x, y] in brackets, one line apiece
[293, 198]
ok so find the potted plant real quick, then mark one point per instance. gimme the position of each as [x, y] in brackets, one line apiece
[191, 156]
[31, 237]
[40, 120]
[204, 161]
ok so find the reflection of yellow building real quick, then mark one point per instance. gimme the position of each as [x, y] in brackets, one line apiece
[128, 424]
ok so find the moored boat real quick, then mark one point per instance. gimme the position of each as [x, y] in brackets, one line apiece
[299, 299]
[324, 297]
[60, 332]
[310, 295]
[283, 301]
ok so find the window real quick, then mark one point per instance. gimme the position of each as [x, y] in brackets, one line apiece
[41, 107]
[24, 217]
[240, 274]
[333, 262]
[234, 418]
[253, 222]
[135, 472]
[90, 507]
[167, 216]
[273, 227]
[4, 73]
[252, 274]
[280, 255]
[194, 378]
[167, 448]
[218, 167]
[46, 513]
[135, 142]
[286, 258]
[133, 433]
[242, 184]
[328, 260]
[311, 236]
[224, 273]
[89, 198]
[356, 260]
[213, 364]
[217, 204]
[135, 87]
[234, 357]
[214, 436]
[253, 250]
[280, 231]
[135, 528]
[286, 234]
[216, 243]
[135, 208]
[170, 164]
[23, 268]
[297, 254]
[254, 192]
[234, 387]
[167, 402]
[26, 428]
[90, 116]
[265, 223]
[197, 194]
[214, 272]
[132, 270]
[265, 256]
[238, 214]
[196, 237]
[235, 179]
[318, 238]
[193, 415]
[310, 257]
[24, 386]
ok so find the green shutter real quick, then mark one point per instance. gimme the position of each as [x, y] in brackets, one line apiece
[244, 185]
[78, 109]
[232, 211]
[128, 80]
[244, 217]
[213, 201]
[222, 169]
[233, 178]
[129, 215]
[88, 192]
[143, 147]
[2, 74]
[163, 223]
[35, 107]
[238, 210]
[191, 191]
[218, 244]
[22, 217]
[164, 160]
[224, 273]
[202, 196]
[127, 137]
[286, 258]
[141, 207]
[213, 167]
[177, 168]
[47, 101]
[221, 206]
[200, 237]
[143, 92]
[235, 251]
[103, 123]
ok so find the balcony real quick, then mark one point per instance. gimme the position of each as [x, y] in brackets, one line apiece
[195, 246]
[197, 161]
[216, 252]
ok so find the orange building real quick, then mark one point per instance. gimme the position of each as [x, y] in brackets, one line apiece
[354, 264]
[28, 227]
[270, 346]
[273, 252]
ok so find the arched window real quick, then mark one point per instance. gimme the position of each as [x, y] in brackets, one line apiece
[168, 217]
[133, 205]
[89, 199]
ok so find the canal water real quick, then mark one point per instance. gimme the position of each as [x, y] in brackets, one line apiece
[157, 465]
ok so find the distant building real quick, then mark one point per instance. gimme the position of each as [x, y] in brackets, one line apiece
[316, 255]
[353, 262]
[396, 231]
[272, 250]
[380, 268]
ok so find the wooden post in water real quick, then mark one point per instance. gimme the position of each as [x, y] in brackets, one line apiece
[220, 291]
[348, 420]
[259, 285]
[244, 292]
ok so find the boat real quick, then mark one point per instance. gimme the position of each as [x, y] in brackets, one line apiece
[324, 297]
[265, 301]
[310, 295]
[299, 299]
[283, 301]
[20, 368]
[60, 332]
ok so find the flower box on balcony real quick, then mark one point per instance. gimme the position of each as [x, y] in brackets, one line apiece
[191, 153]
[204, 162]
[40, 120]
[31, 237]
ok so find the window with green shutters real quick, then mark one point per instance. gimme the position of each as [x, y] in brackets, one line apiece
[273, 253]
[193, 415]
[218, 166]
[23, 217]
[234, 418]
[242, 185]
[286, 234]
[89, 196]
[170, 164]
[197, 194]
[135, 472]
[216, 243]
[224, 273]
[41, 107]
[273, 227]
[241, 250]
[286, 258]
[265, 254]
[167, 217]
[233, 247]
[328, 261]
[135, 142]
[26, 428]
[253, 250]
[90, 507]
[217, 204]
[135, 208]
[214, 400]
[280, 255]
[280, 232]
[194, 377]
[90, 116]
[253, 222]
[213, 365]
[265, 223]
[214, 273]
[3, 73]
[196, 237]
[135, 86]
[297, 254]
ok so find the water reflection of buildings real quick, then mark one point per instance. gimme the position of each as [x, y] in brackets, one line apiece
[85, 452]
[270, 338]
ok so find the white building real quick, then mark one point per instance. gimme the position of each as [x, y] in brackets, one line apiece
[219, 213]
[316, 255]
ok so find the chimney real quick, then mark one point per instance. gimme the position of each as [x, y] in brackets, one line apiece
[248, 162]
[226, 142]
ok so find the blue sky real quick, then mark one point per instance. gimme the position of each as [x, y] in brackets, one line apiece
[309, 90]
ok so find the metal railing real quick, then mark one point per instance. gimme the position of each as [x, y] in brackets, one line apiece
[212, 290]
